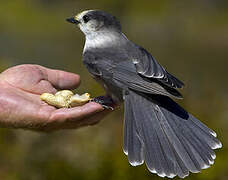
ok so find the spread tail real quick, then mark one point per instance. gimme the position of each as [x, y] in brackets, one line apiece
[171, 141]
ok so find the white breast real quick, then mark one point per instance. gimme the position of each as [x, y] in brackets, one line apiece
[104, 40]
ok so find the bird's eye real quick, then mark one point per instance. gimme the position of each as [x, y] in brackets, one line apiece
[86, 18]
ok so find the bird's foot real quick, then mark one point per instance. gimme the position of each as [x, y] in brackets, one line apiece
[105, 101]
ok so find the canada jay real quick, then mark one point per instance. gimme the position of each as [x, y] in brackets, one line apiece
[157, 130]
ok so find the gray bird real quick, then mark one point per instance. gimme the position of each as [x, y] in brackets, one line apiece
[157, 130]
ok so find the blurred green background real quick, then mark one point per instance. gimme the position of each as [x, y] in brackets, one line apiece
[189, 38]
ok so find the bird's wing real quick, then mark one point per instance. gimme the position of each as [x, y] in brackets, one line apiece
[148, 67]
[125, 73]
[110, 68]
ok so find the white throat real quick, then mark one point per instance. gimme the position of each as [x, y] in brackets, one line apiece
[104, 40]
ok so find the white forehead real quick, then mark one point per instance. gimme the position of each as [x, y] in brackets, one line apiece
[80, 15]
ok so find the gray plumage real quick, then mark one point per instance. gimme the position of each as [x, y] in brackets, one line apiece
[157, 130]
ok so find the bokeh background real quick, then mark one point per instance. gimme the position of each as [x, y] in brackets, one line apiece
[189, 38]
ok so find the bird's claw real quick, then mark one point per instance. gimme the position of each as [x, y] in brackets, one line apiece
[105, 101]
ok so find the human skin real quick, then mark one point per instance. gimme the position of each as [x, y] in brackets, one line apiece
[21, 107]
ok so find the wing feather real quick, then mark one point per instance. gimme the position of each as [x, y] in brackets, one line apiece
[147, 66]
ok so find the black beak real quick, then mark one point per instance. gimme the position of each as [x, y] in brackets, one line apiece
[72, 20]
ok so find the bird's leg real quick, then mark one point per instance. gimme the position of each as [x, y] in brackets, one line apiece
[105, 101]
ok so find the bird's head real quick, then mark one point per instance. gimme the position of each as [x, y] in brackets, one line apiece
[93, 21]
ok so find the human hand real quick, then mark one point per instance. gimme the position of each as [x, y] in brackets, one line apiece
[21, 107]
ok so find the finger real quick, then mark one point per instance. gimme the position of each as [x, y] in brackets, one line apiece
[86, 121]
[75, 114]
[96, 118]
[61, 79]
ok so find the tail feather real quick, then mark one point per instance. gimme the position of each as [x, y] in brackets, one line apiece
[208, 136]
[171, 141]
[196, 145]
[203, 127]
[162, 146]
[178, 142]
[133, 146]
[183, 133]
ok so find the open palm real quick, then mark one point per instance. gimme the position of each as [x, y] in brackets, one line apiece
[21, 107]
